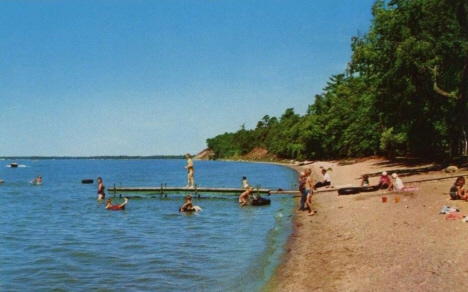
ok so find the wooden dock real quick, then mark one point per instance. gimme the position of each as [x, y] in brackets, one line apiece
[165, 190]
[162, 190]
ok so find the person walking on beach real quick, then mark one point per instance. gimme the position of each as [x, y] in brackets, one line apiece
[100, 189]
[302, 181]
[190, 170]
[308, 190]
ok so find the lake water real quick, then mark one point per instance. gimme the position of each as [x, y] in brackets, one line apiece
[58, 237]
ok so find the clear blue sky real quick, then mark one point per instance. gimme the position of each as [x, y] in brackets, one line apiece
[85, 78]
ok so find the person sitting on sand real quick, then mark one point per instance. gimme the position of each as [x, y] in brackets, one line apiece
[326, 180]
[243, 198]
[385, 182]
[245, 184]
[37, 180]
[190, 171]
[398, 184]
[109, 205]
[457, 191]
[365, 180]
[100, 189]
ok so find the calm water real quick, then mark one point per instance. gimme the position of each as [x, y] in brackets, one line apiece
[56, 236]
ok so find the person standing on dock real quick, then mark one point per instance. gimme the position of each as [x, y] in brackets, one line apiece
[100, 189]
[245, 184]
[190, 170]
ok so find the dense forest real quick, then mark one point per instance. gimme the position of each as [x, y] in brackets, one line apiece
[404, 92]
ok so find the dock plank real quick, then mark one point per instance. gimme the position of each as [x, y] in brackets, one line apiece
[233, 191]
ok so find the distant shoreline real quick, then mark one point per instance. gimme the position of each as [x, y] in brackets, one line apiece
[91, 157]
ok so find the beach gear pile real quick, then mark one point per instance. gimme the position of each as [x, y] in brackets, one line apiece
[453, 214]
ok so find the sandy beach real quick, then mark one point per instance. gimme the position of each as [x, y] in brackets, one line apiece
[358, 243]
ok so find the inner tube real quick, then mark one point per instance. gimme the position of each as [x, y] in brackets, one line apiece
[87, 181]
[116, 208]
[349, 191]
[193, 209]
[369, 189]
[261, 202]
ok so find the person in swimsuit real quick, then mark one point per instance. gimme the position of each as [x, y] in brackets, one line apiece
[245, 195]
[302, 181]
[109, 205]
[187, 206]
[190, 170]
[308, 190]
[100, 190]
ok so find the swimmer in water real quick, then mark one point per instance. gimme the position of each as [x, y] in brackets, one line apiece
[37, 180]
[109, 205]
[188, 205]
[100, 190]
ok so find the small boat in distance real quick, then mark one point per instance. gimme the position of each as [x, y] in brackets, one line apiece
[13, 164]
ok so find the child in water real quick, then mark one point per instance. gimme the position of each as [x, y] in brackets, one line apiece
[109, 205]
[188, 206]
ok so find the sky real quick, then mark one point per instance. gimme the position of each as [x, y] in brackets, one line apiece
[141, 77]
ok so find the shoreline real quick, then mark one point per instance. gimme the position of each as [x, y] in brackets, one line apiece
[358, 243]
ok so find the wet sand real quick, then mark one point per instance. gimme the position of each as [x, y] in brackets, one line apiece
[358, 243]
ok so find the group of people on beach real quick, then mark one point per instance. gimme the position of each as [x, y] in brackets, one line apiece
[385, 182]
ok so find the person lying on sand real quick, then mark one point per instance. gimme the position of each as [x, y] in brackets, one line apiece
[457, 191]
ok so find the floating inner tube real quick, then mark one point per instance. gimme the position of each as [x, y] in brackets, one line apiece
[369, 189]
[349, 191]
[261, 202]
[116, 208]
[87, 181]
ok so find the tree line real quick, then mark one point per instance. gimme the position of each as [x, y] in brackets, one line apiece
[404, 92]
